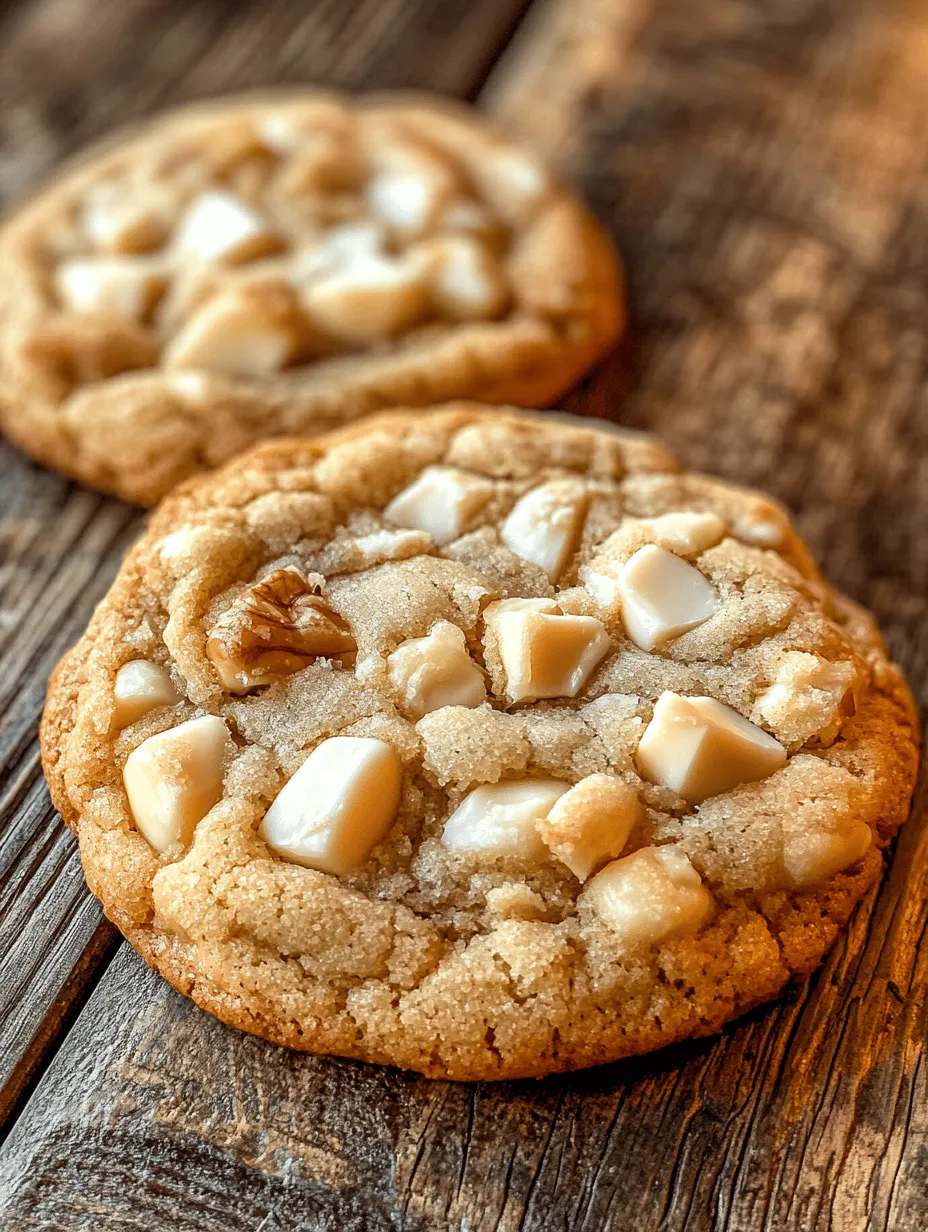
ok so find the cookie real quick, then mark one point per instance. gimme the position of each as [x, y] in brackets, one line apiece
[477, 744]
[276, 266]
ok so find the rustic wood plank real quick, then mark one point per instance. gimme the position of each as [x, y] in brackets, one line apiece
[59, 549]
[69, 69]
[763, 167]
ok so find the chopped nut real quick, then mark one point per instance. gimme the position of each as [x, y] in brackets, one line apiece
[218, 226]
[501, 820]
[662, 596]
[591, 823]
[174, 778]
[544, 525]
[806, 698]
[338, 806]
[816, 855]
[699, 748]
[653, 895]
[120, 286]
[442, 501]
[277, 627]
[435, 671]
[140, 686]
[543, 652]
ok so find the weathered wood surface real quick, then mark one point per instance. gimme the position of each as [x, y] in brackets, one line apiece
[764, 168]
[69, 70]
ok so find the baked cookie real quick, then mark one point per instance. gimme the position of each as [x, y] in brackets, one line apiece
[477, 744]
[279, 266]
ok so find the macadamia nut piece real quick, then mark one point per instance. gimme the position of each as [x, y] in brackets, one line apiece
[591, 823]
[338, 806]
[140, 686]
[653, 895]
[501, 819]
[544, 525]
[699, 748]
[441, 502]
[174, 778]
[545, 653]
[435, 671]
[662, 596]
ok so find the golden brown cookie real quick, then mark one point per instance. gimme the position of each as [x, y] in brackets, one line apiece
[275, 266]
[477, 744]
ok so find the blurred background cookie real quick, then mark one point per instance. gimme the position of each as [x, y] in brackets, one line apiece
[262, 267]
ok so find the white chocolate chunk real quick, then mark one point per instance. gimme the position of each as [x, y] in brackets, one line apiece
[120, 217]
[119, 286]
[408, 188]
[404, 200]
[230, 334]
[653, 895]
[435, 671]
[219, 226]
[662, 596]
[590, 824]
[140, 686]
[338, 806]
[816, 855]
[369, 299]
[466, 279]
[174, 779]
[441, 502]
[545, 653]
[806, 698]
[501, 820]
[544, 525]
[699, 748]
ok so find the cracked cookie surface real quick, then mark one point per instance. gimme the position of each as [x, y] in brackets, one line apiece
[278, 266]
[477, 744]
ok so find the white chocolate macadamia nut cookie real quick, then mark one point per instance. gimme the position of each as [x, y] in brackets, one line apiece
[472, 742]
[281, 266]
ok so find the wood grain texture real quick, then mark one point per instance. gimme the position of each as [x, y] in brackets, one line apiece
[69, 69]
[59, 549]
[72, 69]
[763, 166]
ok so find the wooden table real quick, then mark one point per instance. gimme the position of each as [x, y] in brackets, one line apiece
[764, 167]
